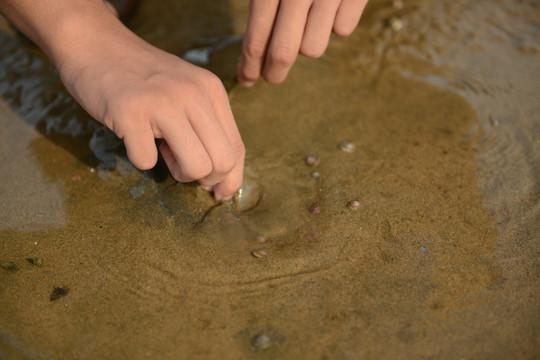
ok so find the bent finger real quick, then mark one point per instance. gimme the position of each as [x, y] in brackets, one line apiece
[140, 146]
[186, 157]
[214, 139]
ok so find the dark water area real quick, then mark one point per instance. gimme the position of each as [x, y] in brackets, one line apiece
[438, 101]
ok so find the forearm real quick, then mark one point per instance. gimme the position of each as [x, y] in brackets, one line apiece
[65, 29]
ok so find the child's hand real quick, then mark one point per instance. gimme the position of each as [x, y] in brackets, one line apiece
[278, 30]
[152, 94]
[142, 93]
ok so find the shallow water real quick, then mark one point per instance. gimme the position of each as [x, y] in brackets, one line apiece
[440, 259]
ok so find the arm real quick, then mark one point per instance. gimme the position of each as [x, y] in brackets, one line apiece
[138, 91]
[278, 30]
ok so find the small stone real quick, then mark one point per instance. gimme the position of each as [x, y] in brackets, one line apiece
[315, 175]
[396, 24]
[262, 342]
[347, 147]
[35, 261]
[58, 292]
[261, 239]
[8, 265]
[423, 249]
[353, 204]
[314, 209]
[259, 253]
[312, 160]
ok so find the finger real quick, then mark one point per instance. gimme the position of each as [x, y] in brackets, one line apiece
[140, 146]
[286, 39]
[185, 156]
[259, 27]
[226, 189]
[233, 181]
[348, 16]
[318, 28]
[215, 141]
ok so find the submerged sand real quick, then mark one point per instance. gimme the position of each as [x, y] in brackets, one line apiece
[440, 260]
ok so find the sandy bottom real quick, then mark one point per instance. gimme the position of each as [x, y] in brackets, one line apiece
[439, 260]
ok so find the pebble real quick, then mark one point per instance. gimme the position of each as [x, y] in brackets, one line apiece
[314, 209]
[262, 342]
[396, 24]
[35, 261]
[315, 175]
[58, 292]
[8, 265]
[423, 249]
[347, 147]
[261, 239]
[353, 204]
[259, 253]
[312, 160]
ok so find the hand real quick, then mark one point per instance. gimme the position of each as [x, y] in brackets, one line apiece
[142, 93]
[138, 91]
[278, 30]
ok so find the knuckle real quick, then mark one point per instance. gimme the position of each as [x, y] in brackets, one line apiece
[254, 48]
[282, 55]
[240, 150]
[200, 170]
[226, 163]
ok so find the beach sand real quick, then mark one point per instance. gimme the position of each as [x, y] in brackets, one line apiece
[439, 260]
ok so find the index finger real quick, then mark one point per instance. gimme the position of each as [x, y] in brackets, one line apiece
[233, 180]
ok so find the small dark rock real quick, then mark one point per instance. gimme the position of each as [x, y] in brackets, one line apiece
[8, 265]
[58, 292]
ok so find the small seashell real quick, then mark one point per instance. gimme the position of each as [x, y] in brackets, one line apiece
[259, 253]
[314, 209]
[261, 239]
[353, 204]
[315, 175]
[262, 342]
[312, 160]
[347, 147]
[423, 249]
[35, 261]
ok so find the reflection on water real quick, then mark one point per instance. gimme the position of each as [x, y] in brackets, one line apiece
[437, 97]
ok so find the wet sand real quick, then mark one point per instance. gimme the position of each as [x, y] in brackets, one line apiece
[440, 260]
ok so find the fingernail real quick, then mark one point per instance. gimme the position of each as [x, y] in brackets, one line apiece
[247, 84]
[207, 188]
[225, 198]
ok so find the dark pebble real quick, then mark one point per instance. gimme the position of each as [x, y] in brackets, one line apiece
[58, 292]
[8, 265]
